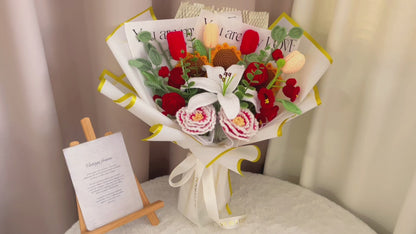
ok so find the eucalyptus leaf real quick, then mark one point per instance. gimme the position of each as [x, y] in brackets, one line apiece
[141, 64]
[278, 34]
[200, 48]
[144, 36]
[289, 106]
[155, 57]
[149, 76]
[296, 32]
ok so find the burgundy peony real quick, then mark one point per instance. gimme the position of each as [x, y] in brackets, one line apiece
[177, 45]
[249, 42]
[175, 78]
[171, 103]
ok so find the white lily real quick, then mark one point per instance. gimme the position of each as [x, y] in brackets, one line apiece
[220, 85]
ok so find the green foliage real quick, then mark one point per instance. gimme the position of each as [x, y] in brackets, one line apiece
[280, 63]
[296, 32]
[244, 105]
[250, 58]
[200, 48]
[155, 57]
[144, 36]
[141, 64]
[278, 34]
[289, 106]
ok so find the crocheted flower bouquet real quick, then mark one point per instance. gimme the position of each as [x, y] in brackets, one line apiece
[213, 85]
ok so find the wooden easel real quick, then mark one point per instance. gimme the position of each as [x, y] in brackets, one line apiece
[148, 209]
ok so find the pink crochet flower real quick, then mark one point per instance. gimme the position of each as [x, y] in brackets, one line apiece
[242, 127]
[197, 122]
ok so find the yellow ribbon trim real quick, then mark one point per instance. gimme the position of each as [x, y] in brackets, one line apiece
[141, 13]
[228, 209]
[306, 34]
[317, 97]
[279, 131]
[255, 160]
[155, 129]
[100, 86]
[229, 183]
[119, 79]
[219, 156]
[125, 97]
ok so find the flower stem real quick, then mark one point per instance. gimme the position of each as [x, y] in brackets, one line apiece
[164, 55]
[271, 83]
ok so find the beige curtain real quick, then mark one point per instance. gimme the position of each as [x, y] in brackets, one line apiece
[51, 55]
[360, 150]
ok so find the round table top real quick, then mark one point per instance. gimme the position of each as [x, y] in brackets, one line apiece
[271, 206]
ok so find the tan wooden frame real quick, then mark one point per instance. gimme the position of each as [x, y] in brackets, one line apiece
[148, 209]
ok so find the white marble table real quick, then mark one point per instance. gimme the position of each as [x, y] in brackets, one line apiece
[271, 205]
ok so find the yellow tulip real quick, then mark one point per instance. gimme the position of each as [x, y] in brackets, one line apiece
[210, 37]
[294, 62]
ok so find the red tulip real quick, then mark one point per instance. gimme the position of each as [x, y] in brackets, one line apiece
[249, 42]
[177, 45]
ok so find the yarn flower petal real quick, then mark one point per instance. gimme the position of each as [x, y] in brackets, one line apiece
[230, 104]
[202, 99]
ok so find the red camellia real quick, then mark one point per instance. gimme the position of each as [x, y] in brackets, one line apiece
[175, 78]
[249, 42]
[171, 103]
[290, 90]
[164, 72]
[253, 69]
[266, 98]
[177, 45]
[277, 54]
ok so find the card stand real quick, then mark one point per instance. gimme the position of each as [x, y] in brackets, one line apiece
[148, 209]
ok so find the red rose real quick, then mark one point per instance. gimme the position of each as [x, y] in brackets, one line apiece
[261, 78]
[175, 78]
[177, 45]
[249, 42]
[277, 54]
[171, 103]
[164, 72]
[266, 98]
[290, 90]
[269, 113]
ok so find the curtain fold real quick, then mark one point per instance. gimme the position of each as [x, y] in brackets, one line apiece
[360, 147]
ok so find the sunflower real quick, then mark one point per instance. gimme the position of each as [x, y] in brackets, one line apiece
[196, 62]
[225, 56]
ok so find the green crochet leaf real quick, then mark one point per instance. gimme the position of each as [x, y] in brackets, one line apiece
[141, 64]
[278, 34]
[144, 36]
[280, 63]
[155, 57]
[296, 32]
[289, 106]
[200, 48]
